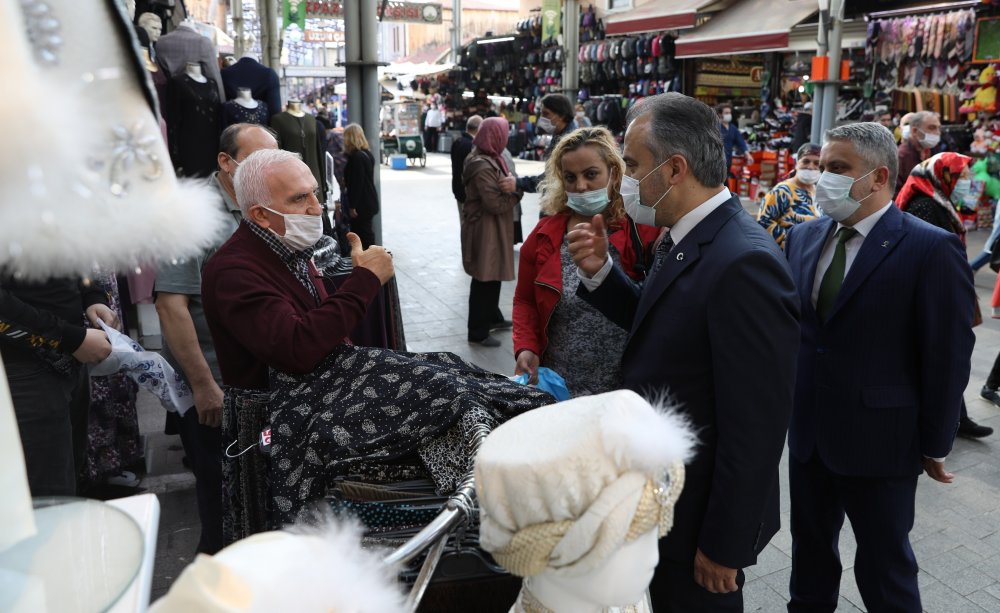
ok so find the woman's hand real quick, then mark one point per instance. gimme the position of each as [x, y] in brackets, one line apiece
[527, 362]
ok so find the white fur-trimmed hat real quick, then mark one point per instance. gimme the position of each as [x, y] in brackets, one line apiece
[564, 486]
[319, 571]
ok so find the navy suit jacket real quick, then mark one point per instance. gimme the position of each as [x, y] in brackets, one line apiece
[880, 383]
[258, 78]
[717, 329]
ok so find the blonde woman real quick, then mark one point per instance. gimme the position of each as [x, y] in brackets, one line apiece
[552, 327]
[360, 199]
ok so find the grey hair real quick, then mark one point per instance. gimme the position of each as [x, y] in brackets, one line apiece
[918, 118]
[228, 140]
[472, 125]
[873, 142]
[681, 125]
[251, 179]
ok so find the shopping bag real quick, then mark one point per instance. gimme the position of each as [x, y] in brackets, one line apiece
[147, 368]
[548, 381]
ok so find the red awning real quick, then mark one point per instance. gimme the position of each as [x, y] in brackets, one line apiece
[749, 26]
[656, 15]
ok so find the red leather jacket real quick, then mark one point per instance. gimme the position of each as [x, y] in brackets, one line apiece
[539, 275]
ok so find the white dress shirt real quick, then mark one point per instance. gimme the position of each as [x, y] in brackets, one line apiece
[851, 247]
[677, 233]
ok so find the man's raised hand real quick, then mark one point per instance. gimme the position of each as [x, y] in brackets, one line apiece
[375, 258]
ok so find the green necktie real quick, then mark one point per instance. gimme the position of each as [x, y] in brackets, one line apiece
[833, 278]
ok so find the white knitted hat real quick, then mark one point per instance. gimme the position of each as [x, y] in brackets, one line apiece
[324, 571]
[564, 486]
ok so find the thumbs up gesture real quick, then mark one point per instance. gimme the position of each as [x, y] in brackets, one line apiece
[588, 244]
[374, 258]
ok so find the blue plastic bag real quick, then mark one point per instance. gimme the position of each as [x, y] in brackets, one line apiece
[549, 381]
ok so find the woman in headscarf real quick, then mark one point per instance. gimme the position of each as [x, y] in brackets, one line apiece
[487, 230]
[791, 201]
[936, 190]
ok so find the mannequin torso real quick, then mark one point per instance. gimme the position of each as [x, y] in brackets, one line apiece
[618, 586]
[245, 99]
[295, 108]
[193, 70]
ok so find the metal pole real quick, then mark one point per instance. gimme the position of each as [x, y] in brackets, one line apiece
[456, 31]
[352, 55]
[269, 35]
[238, 27]
[371, 96]
[833, 87]
[571, 46]
[816, 133]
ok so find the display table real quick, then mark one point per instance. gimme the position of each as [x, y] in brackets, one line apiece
[87, 556]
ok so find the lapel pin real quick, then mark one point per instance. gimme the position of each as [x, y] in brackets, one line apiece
[680, 256]
[885, 244]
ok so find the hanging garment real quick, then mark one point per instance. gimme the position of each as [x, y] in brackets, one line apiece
[233, 112]
[300, 135]
[194, 125]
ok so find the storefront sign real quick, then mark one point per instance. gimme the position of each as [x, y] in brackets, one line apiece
[756, 74]
[394, 11]
[550, 18]
[324, 36]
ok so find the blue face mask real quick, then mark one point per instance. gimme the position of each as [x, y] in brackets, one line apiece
[588, 203]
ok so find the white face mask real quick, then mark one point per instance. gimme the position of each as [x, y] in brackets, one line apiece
[962, 194]
[931, 140]
[833, 195]
[545, 125]
[905, 132]
[588, 203]
[301, 231]
[727, 117]
[809, 176]
[640, 213]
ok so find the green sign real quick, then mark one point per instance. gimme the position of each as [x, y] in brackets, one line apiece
[550, 18]
[294, 12]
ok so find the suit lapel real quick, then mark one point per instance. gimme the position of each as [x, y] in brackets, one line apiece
[683, 255]
[877, 245]
[811, 252]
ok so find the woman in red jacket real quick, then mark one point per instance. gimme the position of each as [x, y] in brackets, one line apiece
[552, 326]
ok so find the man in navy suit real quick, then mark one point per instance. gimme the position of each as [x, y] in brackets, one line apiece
[715, 327]
[887, 306]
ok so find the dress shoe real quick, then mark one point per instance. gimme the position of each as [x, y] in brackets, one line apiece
[504, 324]
[990, 394]
[489, 341]
[970, 429]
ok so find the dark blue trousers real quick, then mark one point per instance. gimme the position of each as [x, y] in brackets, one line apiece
[881, 512]
[203, 447]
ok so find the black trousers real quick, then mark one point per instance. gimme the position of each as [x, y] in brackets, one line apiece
[51, 411]
[203, 448]
[881, 511]
[484, 308]
[993, 381]
[363, 228]
[674, 590]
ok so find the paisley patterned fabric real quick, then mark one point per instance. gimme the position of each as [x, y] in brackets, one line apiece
[373, 406]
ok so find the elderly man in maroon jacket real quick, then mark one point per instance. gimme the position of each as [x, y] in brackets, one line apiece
[264, 300]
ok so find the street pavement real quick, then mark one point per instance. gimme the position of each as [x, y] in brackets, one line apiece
[957, 532]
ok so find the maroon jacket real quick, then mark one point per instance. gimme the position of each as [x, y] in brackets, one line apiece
[539, 276]
[261, 316]
[909, 157]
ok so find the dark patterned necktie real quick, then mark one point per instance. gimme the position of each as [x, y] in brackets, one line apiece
[833, 278]
[660, 255]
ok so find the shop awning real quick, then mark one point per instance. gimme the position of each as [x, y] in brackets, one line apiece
[854, 33]
[749, 26]
[656, 15]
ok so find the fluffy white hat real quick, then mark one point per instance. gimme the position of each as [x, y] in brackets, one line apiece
[85, 176]
[324, 571]
[564, 486]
